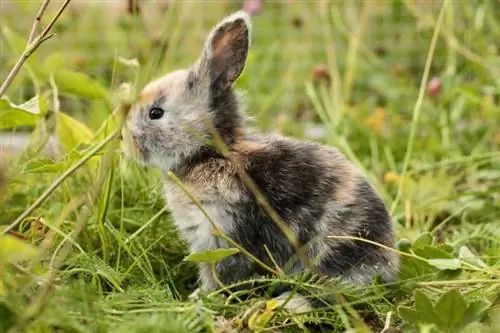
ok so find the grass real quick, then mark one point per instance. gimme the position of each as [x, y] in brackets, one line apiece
[99, 253]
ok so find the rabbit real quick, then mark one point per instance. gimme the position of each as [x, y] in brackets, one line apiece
[313, 188]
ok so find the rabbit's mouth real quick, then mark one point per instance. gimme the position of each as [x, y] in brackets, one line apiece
[140, 152]
[134, 148]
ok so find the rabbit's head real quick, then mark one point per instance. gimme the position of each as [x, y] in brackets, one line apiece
[178, 113]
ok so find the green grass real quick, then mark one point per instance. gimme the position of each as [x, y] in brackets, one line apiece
[100, 253]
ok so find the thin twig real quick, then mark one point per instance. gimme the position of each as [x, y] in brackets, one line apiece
[41, 199]
[46, 31]
[37, 20]
[32, 46]
[458, 282]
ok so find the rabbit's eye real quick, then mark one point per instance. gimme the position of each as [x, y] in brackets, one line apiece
[155, 113]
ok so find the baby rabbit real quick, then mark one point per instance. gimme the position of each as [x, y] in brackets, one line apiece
[313, 189]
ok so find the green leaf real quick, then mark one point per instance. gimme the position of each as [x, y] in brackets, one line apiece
[443, 264]
[476, 327]
[79, 84]
[432, 252]
[44, 164]
[72, 132]
[422, 302]
[450, 308]
[14, 250]
[411, 268]
[465, 254]
[26, 114]
[446, 248]
[424, 306]
[425, 239]
[211, 256]
[55, 62]
[36, 105]
[17, 43]
[410, 315]
[8, 316]
[475, 311]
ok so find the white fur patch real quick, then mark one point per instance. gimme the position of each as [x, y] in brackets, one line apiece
[195, 227]
[296, 304]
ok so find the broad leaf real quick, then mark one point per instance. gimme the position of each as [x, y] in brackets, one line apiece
[465, 254]
[450, 308]
[424, 307]
[17, 43]
[443, 264]
[8, 317]
[72, 132]
[211, 256]
[44, 164]
[425, 239]
[55, 62]
[475, 311]
[476, 327]
[79, 84]
[26, 114]
[36, 105]
[432, 252]
[13, 250]
[410, 315]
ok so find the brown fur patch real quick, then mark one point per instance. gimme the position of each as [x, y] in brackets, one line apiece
[229, 51]
[171, 84]
[148, 96]
[223, 42]
[246, 147]
[214, 180]
[346, 192]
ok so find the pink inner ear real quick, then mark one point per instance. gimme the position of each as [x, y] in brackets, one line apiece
[221, 44]
[228, 46]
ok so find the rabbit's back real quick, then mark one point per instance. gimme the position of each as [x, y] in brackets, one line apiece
[319, 194]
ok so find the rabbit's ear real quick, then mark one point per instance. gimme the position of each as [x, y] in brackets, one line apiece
[226, 50]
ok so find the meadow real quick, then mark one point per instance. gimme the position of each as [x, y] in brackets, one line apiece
[408, 90]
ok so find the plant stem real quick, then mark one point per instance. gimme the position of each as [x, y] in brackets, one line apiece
[41, 199]
[37, 20]
[33, 43]
[418, 106]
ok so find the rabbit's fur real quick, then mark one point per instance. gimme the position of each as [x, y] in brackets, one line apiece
[314, 189]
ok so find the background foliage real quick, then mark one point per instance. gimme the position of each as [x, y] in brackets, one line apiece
[99, 252]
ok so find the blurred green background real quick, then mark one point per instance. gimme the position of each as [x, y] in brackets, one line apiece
[344, 73]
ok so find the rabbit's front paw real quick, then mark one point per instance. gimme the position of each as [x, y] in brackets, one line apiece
[195, 295]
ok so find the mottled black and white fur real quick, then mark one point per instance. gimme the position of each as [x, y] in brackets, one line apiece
[316, 191]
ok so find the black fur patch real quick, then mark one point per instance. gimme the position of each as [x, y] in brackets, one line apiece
[297, 187]
[227, 119]
[372, 223]
[201, 156]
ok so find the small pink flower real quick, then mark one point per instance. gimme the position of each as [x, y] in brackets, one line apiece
[321, 74]
[252, 7]
[434, 87]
